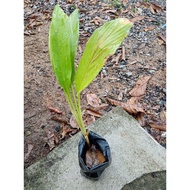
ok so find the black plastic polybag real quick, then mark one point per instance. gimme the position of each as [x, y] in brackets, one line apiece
[102, 145]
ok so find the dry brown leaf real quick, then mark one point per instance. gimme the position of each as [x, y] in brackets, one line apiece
[145, 4]
[97, 20]
[54, 110]
[73, 123]
[160, 42]
[94, 157]
[155, 7]
[123, 52]
[158, 125]
[89, 119]
[163, 116]
[136, 19]
[101, 107]
[120, 96]
[55, 118]
[132, 106]
[151, 9]
[56, 138]
[124, 11]
[93, 100]
[93, 112]
[140, 118]
[140, 86]
[50, 141]
[162, 37]
[152, 27]
[64, 132]
[30, 147]
[116, 59]
[112, 11]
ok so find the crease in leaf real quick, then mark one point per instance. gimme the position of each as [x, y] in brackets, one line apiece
[103, 43]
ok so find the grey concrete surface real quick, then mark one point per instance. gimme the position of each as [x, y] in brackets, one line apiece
[134, 153]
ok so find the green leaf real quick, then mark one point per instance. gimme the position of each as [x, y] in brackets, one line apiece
[103, 42]
[63, 42]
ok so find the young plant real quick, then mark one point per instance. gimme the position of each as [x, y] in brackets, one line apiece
[63, 43]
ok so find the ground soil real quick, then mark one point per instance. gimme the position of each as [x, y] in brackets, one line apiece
[145, 55]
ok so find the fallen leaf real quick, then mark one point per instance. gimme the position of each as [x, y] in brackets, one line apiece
[163, 116]
[98, 21]
[162, 37]
[152, 10]
[132, 106]
[101, 107]
[123, 52]
[73, 123]
[50, 140]
[160, 42]
[140, 86]
[64, 131]
[140, 118]
[155, 7]
[30, 147]
[93, 100]
[136, 19]
[158, 125]
[93, 112]
[94, 157]
[59, 119]
[145, 4]
[54, 110]
[112, 11]
[34, 16]
[56, 139]
[120, 96]
[116, 59]
[152, 27]
[89, 119]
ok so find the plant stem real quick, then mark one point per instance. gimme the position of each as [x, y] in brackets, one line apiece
[81, 121]
[74, 104]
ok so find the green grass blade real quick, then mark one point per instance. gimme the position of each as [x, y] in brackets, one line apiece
[63, 42]
[103, 43]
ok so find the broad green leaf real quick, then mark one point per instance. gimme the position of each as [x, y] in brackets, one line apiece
[63, 42]
[103, 42]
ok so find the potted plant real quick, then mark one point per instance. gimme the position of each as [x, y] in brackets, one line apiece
[93, 150]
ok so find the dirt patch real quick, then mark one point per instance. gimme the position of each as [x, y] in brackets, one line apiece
[143, 53]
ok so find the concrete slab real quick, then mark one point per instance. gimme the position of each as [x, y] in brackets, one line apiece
[134, 153]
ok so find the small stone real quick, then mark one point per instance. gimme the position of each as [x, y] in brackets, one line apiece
[129, 74]
[151, 71]
[27, 133]
[162, 103]
[57, 128]
[163, 135]
[104, 72]
[164, 90]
